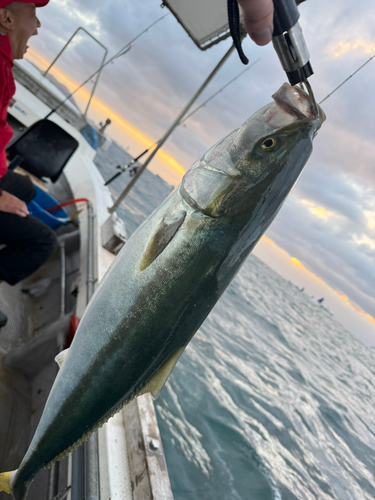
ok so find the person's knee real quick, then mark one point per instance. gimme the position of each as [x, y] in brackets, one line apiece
[30, 191]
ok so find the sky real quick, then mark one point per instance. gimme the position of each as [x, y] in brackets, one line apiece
[327, 225]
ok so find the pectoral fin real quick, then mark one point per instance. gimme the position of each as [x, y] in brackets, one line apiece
[156, 384]
[164, 234]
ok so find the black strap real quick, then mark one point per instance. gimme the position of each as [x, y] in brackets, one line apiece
[234, 27]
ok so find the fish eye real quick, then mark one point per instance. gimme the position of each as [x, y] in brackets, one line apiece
[268, 144]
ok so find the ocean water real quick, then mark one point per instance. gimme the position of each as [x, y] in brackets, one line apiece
[272, 399]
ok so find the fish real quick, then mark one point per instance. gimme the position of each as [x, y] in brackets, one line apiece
[169, 276]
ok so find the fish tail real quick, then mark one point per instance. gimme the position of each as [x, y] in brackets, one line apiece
[19, 490]
[5, 482]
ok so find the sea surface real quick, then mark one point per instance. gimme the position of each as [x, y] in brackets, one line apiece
[272, 399]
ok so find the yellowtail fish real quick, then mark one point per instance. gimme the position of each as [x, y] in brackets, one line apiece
[169, 276]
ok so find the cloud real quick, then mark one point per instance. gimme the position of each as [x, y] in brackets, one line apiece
[328, 251]
[359, 44]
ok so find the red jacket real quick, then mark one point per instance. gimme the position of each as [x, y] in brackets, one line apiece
[7, 91]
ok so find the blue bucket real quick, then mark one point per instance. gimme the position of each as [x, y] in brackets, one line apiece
[37, 207]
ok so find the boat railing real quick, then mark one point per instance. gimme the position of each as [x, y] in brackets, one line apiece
[101, 66]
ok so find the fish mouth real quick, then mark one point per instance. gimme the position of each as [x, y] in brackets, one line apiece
[299, 104]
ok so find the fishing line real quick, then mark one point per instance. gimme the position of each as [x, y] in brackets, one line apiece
[341, 84]
[117, 55]
[218, 92]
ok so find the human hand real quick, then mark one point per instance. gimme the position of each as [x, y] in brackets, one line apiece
[258, 18]
[13, 205]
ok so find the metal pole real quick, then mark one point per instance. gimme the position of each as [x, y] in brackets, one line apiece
[90, 251]
[61, 51]
[63, 278]
[91, 446]
[94, 88]
[97, 79]
[92, 486]
[53, 482]
[97, 73]
[85, 459]
[169, 131]
[54, 474]
[78, 479]
[121, 52]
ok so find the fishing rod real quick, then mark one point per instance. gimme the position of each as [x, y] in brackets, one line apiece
[120, 53]
[341, 84]
[126, 167]
[218, 92]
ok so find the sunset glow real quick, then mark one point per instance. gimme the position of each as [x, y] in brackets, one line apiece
[355, 307]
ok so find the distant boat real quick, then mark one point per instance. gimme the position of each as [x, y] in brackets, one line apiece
[327, 311]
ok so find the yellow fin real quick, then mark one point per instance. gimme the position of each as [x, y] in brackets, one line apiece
[164, 234]
[156, 384]
[5, 482]
[61, 357]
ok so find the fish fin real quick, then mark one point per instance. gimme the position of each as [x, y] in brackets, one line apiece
[164, 234]
[5, 482]
[60, 358]
[156, 384]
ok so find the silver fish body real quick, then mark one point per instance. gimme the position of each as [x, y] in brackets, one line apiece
[171, 273]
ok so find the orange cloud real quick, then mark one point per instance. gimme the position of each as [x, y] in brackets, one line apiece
[370, 318]
[167, 159]
[342, 48]
[320, 212]
[304, 269]
[344, 297]
[296, 261]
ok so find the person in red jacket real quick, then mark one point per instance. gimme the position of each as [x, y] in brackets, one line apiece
[28, 242]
